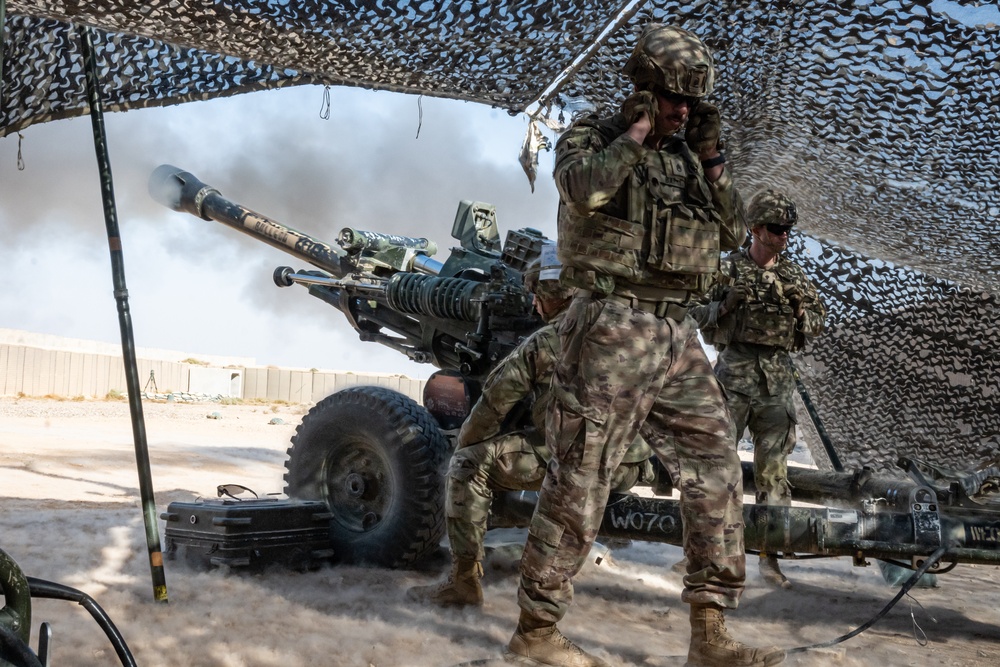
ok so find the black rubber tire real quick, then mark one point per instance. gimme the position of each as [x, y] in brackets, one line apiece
[375, 457]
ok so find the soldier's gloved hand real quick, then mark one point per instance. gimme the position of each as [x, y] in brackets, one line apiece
[796, 299]
[639, 103]
[704, 129]
[736, 295]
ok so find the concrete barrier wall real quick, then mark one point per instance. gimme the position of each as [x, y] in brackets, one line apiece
[38, 372]
[31, 371]
[298, 386]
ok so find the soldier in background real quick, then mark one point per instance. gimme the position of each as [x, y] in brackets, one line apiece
[643, 217]
[487, 461]
[763, 307]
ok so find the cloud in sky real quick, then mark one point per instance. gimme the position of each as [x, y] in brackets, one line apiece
[200, 287]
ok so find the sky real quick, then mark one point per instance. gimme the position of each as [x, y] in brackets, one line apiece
[383, 161]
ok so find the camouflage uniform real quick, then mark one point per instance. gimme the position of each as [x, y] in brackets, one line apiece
[643, 217]
[754, 364]
[514, 461]
[632, 360]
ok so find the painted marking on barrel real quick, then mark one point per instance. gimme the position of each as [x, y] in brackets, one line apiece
[644, 521]
[268, 229]
[984, 533]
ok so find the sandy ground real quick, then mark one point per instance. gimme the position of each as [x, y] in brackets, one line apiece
[69, 513]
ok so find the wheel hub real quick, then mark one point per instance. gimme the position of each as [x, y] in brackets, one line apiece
[355, 485]
[358, 493]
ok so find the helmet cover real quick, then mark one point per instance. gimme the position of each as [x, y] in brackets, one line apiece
[771, 208]
[673, 59]
[542, 275]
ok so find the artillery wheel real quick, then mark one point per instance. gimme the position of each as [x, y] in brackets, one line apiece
[374, 456]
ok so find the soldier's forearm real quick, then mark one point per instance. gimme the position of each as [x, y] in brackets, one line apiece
[482, 423]
[725, 198]
[588, 180]
[713, 174]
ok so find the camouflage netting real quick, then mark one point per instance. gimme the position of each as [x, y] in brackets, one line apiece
[879, 119]
[909, 366]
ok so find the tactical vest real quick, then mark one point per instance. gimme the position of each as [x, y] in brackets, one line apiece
[666, 238]
[767, 317]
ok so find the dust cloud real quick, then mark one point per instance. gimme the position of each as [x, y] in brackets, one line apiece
[70, 514]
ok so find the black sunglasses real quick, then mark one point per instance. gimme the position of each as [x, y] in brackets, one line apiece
[234, 490]
[778, 230]
[676, 98]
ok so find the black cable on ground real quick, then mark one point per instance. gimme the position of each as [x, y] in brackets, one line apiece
[904, 589]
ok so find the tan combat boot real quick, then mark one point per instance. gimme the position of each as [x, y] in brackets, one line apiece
[712, 646]
[460, 589]
[771, 573]
[547, 646]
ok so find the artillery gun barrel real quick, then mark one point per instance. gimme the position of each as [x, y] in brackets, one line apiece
[182, 191]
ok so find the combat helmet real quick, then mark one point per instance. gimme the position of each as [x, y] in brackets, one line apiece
[541, 277]
[673, 59]
[771, 208]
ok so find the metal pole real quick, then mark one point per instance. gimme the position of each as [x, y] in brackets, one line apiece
[3, 22]
[622, 16]
[818, 423]
[124, 318]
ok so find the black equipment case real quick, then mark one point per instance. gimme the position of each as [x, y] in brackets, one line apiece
[249, 533]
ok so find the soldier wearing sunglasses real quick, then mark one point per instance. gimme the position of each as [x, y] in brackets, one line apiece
[761, 308]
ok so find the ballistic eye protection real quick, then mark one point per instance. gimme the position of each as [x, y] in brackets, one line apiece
[675, 98]
[778, 230]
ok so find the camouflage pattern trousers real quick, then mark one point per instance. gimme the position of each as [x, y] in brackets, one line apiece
[624, 370]
[506, 463]
[771, 419]
[509, 462]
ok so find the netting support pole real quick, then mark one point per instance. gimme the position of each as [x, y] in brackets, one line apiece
[621, 16]
[124, 317]
[824, 437]
[3, 22]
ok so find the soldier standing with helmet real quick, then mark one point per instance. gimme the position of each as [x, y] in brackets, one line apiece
[643, 217]
[763, 307]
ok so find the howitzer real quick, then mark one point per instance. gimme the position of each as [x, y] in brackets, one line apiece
[461, 315]
[375, 456]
